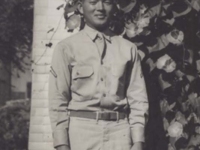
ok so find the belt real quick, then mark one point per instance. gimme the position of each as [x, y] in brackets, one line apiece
[108, 116]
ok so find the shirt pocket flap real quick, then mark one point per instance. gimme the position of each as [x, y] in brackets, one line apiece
[82, 72]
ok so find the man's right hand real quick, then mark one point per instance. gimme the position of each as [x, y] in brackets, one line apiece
[63, 147]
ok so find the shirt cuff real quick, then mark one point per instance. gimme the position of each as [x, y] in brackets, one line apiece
[60, 138]
[137, 134]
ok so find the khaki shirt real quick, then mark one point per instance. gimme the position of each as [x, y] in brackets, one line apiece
[85, 77]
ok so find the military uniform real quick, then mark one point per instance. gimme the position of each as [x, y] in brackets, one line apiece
[97, 93]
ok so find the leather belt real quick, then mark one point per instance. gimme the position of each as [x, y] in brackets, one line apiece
[108, 116]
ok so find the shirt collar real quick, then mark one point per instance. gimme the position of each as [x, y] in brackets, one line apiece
[92, 33]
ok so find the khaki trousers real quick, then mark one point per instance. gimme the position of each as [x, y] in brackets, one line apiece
[88, 134]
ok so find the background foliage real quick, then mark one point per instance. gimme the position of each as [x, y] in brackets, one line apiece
[16, 23]
[14, 125]
[167, 34]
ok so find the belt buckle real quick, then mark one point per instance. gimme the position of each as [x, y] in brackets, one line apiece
[107, 116]
[102, 115]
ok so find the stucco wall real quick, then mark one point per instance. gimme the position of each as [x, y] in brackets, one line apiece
[46, 17]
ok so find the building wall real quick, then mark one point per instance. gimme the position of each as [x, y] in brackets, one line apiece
[4, 83]
[13, 86]
[46, 17]
[20, 81]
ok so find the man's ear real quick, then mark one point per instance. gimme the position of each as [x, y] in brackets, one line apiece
[80, 7]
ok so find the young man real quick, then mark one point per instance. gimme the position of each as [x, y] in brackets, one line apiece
[97, 95]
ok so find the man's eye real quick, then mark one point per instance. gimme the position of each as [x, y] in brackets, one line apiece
[93, 2]
[108, 2]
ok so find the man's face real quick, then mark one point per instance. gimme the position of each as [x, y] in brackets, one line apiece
[97, 13]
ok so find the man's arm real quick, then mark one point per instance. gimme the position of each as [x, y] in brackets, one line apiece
[59, 96]
[137, 98]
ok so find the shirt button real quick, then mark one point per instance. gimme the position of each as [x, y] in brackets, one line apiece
[104, 95]
[77, 73]
[101, 79]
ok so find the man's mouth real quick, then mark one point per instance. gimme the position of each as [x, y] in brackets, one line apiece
[100, 16]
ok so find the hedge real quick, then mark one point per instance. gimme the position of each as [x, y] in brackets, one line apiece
[14, 125]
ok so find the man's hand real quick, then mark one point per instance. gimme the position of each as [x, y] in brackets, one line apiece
[137, 146]
[63, 147]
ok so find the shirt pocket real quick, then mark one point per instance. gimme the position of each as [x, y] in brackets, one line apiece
[82, 82]
[81, 72]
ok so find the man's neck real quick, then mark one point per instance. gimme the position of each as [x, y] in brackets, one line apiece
[100, 29]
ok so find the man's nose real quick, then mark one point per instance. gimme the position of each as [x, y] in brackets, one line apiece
[100, 5]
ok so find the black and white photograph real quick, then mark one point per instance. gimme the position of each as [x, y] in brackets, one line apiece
[99, 74]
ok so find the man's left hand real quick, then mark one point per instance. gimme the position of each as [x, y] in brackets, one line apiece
[137, 146]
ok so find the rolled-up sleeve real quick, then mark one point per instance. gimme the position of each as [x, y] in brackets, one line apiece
[59, 95]
[137, 99]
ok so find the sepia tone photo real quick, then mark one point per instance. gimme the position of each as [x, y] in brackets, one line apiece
[100, 75]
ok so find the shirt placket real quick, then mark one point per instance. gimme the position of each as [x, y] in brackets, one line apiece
[106, 101]
[101, 45]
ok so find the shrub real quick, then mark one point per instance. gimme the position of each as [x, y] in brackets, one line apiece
[14, 125]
